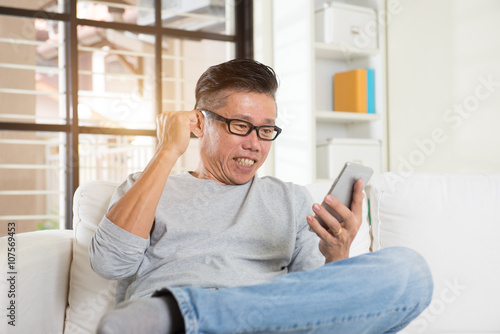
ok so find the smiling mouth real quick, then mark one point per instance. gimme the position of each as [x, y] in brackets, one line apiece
[245, 162]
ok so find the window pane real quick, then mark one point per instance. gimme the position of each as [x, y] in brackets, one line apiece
[32, 180]
[116, 78]
[32, 80]
[140, 12]
[214, 16]
[57, 6]
[112, 158]
[183, 62]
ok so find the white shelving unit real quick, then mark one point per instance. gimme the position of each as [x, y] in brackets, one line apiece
[305, 99]
[344, 117]
[337, 52]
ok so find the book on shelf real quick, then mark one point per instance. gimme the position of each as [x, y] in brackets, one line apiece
[370, 90]
[354, 91]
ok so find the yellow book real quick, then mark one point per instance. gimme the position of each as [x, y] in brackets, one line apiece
[350, 91]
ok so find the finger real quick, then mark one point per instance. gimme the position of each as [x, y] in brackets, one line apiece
[343, 211]
[160, 119]
[317, 228]
[357, 198]
[174, 128]
[176, 118]
[330, 221]
[159, 125]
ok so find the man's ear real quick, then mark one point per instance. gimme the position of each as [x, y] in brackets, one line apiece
[200, 124]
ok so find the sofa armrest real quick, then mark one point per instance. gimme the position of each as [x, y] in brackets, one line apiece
[40, 283]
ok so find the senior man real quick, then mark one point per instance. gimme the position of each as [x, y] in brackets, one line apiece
[221, 250]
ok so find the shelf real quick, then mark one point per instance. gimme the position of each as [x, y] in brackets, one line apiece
[345, 117]
[319, 63]
[342, 52]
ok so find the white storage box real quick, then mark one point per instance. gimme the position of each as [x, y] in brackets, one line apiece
[348, 25]
[332, 154]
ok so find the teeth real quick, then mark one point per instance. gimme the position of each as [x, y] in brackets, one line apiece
[245, 162]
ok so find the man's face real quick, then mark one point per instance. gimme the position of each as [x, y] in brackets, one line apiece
[231, 159]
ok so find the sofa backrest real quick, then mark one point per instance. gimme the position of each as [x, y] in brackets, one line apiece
[90, 295]
[454, 222]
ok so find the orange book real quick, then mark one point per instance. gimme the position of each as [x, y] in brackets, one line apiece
[350, 91]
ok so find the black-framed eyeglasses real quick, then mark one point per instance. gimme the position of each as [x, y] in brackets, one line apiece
[243, 128]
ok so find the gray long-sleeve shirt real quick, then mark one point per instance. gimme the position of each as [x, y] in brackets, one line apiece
[209, 235]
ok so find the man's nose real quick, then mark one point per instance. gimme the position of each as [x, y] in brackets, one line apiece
[252, 141]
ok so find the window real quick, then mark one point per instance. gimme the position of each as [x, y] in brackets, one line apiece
[81, 83]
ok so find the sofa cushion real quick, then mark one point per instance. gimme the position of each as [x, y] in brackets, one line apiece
[453, 221]
[42, 261]
[90, 295]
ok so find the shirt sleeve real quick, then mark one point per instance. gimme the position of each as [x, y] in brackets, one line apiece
[116, 253]
[306, 254]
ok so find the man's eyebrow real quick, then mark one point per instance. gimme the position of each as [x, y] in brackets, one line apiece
[245, 117]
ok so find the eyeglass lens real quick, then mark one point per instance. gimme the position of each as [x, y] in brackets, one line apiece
[243, 128]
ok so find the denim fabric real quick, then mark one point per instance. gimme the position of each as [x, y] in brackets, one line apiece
[379, 292]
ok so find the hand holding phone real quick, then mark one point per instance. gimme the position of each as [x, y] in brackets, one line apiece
[342, 187]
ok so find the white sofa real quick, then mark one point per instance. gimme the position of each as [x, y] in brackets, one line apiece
[451, 219]
[454, 222]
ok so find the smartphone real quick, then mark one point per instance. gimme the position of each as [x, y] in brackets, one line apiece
[343, 185]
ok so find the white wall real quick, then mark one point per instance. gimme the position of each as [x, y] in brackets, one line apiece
[263, 52]
[444, 85]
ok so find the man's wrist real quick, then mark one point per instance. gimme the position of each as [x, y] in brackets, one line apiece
[168, 153]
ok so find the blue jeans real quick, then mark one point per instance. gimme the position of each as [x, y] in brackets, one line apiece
[379, 292]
